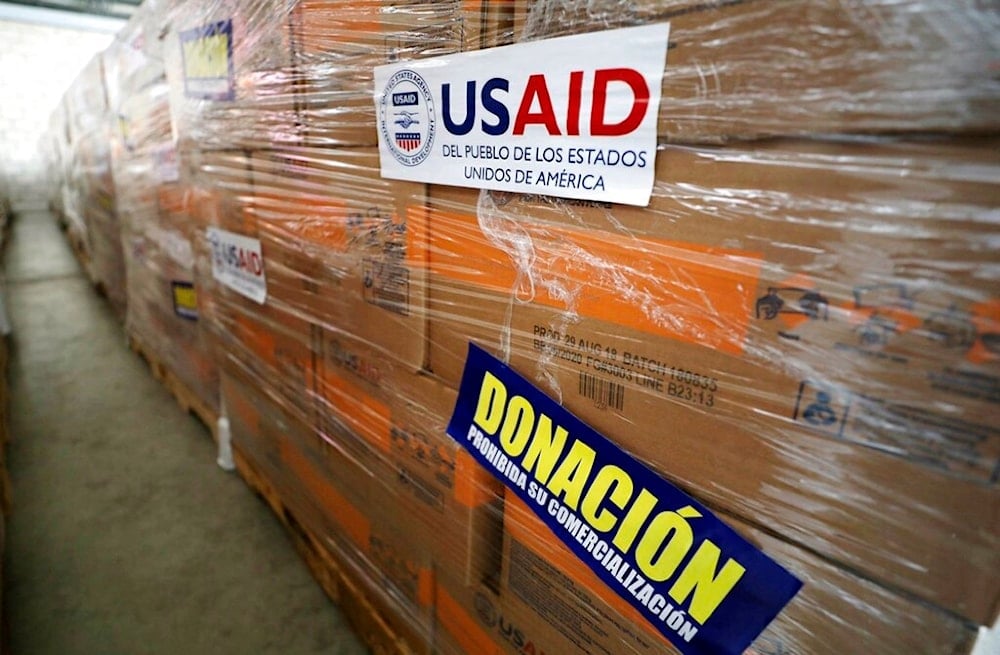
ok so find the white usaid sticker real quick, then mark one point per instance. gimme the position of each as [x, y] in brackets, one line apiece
[238, 264]
[165, 162]
[573, 116]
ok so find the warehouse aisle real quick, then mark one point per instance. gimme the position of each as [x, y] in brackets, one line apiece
[125, 537]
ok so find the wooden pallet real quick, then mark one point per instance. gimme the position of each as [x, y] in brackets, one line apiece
[189, 401]
[340, 584]
[336, 580]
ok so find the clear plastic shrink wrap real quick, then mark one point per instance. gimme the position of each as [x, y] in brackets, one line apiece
[157, 233]
[79, 156]
[85, 105]
[750, 68]
[257, 74]
[93, 137]
[359, 275]
[799, 331]
[54, 147]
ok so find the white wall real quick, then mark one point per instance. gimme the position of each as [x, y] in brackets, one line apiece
[37, 64]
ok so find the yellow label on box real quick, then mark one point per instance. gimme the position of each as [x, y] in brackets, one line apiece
[208, 68]
[185, 300]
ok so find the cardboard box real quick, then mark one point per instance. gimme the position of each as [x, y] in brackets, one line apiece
[344, 247]
[144, 119]
[340, 503]
[232, 81]
[156, 236]
[394, 423]
[661, 317]
[394, 29]
[338, 46]
[456, 499]
[352, 384]
[834, 611]
[264, 343]
[301, 74]
[185, 338]
[218, 186]
[213, 187]
[756, 68]
[498, 25]
[476, 619]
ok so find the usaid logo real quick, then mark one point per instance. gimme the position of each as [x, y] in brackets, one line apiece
[484, 608]
[406, 117]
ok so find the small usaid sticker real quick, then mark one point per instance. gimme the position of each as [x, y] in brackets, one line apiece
[573, 116]
[165, 162]
[238, 264]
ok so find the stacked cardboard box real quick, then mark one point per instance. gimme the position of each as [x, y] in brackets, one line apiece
[263, 75]
[794, 417]
[337, 349]
[747, 68]
[799, 331]
[157, 233]
[341, 499]
[88, 203]
[548, 598]
[338, 346]
[796, 331]
[82, 102]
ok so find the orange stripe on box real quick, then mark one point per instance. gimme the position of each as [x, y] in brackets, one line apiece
[683, 291]
[257, 338]
[418, 236]
[323, 19]
[238, 406]
[474, 485]
[172, 199]
[366, 416]
[425, 587]
[301, 220]
[524, 526]
[354, 523]
[462, 627]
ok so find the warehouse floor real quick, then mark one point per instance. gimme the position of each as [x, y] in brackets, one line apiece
[125, 536]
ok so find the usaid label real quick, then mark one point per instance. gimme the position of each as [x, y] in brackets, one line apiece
[705, 588]
[165, 162]
[573, 116]
[238, 263]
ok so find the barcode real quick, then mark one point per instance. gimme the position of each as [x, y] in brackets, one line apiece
[604, 393]
[387, 285]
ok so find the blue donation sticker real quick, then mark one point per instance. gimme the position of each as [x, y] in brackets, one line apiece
[702, 585]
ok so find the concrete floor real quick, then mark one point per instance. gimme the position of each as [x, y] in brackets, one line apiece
[125, 537]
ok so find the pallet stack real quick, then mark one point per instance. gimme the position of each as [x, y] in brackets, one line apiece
[157, 236]
[799, 330]
[78, 152]
[324, 382]
[794, 330]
